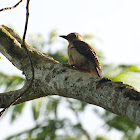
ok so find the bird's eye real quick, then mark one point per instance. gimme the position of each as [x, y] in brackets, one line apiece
[75, 35]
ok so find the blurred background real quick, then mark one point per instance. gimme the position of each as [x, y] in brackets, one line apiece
[112, 27]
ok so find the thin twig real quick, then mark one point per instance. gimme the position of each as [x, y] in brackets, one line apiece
[9, 8]
[31, 63]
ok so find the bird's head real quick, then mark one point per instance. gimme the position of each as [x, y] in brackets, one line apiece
[72, 37]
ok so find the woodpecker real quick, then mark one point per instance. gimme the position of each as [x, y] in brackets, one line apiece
[82, 55]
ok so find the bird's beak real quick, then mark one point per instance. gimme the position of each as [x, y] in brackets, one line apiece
[64, 36]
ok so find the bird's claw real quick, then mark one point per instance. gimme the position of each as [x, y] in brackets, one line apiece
[69, 66]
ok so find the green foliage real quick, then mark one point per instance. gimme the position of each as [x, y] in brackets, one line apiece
[10, 82]
[76, 106]
[49, 123]
[52, 36]
[101, 138]
[16, 112]
[88, 36]
[138, 137]
[52, 106]
[37, 41]
[59, 56]
[120, 123]
[36, 108]
[129, 74]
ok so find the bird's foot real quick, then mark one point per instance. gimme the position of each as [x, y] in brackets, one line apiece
[69, 66]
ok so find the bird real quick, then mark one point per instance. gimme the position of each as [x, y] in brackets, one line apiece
[81, 55]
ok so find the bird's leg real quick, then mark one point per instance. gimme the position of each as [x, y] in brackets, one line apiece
[81, 65]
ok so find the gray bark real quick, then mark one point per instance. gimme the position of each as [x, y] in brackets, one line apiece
[53, 78]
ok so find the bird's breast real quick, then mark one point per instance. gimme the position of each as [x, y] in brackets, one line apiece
[75, 57]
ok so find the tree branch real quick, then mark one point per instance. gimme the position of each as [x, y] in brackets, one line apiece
[9, 8]
[52, 78]
[31, 63]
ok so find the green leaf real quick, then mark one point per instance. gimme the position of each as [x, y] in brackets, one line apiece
[59, 56]
[52, 106]
[36, 108]
[138, 137]
[121, 123]
[52, 36]
[101, 138]
[17, 110]
[76, 105]
[10, 82]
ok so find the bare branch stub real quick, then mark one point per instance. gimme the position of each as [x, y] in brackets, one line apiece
[31, 63]
[9, 8]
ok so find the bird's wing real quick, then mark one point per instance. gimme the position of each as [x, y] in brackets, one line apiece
[86, 50]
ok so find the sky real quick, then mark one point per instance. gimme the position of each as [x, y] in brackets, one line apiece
[115, 22]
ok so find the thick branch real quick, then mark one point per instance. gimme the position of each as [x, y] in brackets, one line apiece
[31, 63]
[52, 78]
